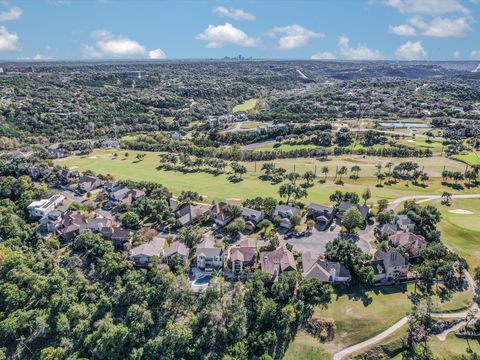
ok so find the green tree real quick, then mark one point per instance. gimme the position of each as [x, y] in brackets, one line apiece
[130, 220]
[352, 218]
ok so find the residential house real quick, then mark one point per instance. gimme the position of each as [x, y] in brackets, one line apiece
[67, 176]
[218, 214]
[176, 253]
[43, 207]
[323, 215]
[209, 256]
[389, 266]
[118, 235]
[124, 196]
[87, 183]
[37, 171]
[69, 226]
[57, 151]
[277, 261]
[50, 222]
[190, 214]
[345, 205]
[111, 144]
[74, 223]
[243, 255]
[412, 243]
[404, 223]
[176, 136]
[286, 213]
[252, 218]
[325, 271]
[142, 255]
[173, 204]
[386, 229]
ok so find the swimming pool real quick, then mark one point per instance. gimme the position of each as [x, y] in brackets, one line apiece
[202, 281]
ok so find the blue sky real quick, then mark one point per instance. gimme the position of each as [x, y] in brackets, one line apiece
[301, 29]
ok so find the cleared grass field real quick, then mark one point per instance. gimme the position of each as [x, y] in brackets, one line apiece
[360, 315]
[219, 188]
[251, 124]
[246, 106]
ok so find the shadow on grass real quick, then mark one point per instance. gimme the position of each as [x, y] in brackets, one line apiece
[234, 179]
[360, 293]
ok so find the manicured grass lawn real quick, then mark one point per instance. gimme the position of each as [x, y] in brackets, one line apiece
[461, 232]
[453, 347]
[306, 347]
[421, 143]
[471, 158]
[251, 124]
[246, 106]
[360, 315]
[219, 188]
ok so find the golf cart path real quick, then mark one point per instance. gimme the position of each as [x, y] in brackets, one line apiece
[393, 204]
[458, 315]
[384, 334]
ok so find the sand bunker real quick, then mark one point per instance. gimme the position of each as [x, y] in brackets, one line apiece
[234, 199]
[92, 157]
[461, 211]
[73, 167]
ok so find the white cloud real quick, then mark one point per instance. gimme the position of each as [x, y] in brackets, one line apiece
[403, 30]
[8, 41]
[235, 14]
[89, 52]
[218, 36]
[37, 57]
[294, 36]
[456, 55]
[427, 7]
[411, 51]
[443, 27]
[325, 55]
[109, 45]
[361, 52]
[475, 54]
[156, 54]
[117, 46]
[13, 14]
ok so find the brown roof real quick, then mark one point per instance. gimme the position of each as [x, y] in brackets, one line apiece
[245, 250]
[219, 211]
[277, 261]
[176, 248]
[410, 241]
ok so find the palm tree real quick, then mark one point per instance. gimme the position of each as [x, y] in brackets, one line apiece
[342, 171]
[446, 197]
[355, 170]
[325, 171]
[389, 166]
[293, 176]
[380, 177]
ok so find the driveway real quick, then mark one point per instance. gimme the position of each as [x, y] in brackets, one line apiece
[317, 242]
